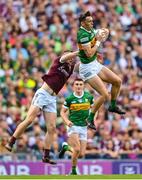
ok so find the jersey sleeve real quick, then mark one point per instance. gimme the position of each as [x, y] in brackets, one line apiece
[83, 39]
[66, 103]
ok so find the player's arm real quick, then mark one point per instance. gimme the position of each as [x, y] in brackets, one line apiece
[90, 51]
[86, 45]
[64, 115]
[67, 56]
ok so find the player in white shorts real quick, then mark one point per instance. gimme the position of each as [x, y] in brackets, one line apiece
[74, 113]
[91, 71]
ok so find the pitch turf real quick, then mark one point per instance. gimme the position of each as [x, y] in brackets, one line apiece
[84, 177]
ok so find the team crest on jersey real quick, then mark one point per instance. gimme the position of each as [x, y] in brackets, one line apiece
[80, 100]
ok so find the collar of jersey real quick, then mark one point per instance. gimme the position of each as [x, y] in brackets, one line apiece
[85, 29]
[78, 96]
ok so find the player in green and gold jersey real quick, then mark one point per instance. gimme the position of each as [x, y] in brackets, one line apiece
[74, 113]
[90, 70]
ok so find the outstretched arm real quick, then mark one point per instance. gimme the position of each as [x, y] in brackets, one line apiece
[68, 56]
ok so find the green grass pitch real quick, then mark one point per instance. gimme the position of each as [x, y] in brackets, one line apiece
[64, 177]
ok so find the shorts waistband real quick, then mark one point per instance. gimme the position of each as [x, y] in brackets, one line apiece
[48, 89]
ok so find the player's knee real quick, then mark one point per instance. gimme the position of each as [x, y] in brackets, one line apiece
[119, 82]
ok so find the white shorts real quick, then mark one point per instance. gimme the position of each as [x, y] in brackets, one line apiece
[44, 101]
[89, 70]
[80, 130]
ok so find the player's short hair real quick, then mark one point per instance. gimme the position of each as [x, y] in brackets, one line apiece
[84, 15]
[77, 79]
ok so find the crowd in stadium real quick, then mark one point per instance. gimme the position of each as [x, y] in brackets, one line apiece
[33, 34]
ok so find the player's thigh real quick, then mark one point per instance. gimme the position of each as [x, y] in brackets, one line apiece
[32, 112]
[50, 119]
[97, 84]
[74, 141]
[50, 113]
[108, 76]
[83, 145]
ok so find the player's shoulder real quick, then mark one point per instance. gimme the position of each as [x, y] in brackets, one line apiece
[88, 94]
[82, 32]
[57, 60]
[70, 97]
[83, 36]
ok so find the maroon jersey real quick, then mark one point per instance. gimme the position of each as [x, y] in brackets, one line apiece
[58, 75]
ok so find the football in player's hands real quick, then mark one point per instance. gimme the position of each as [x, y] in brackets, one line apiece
[104, 32]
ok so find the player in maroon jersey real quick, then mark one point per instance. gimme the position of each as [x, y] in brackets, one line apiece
[45, 100]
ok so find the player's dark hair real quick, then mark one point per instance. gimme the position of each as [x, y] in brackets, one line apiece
[77, 79]
[84, 15]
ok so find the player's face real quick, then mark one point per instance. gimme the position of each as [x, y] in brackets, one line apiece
[70, 61]
[88, 23]
[78, 86]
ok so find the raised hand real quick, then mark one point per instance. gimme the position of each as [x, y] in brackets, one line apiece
[102, 34]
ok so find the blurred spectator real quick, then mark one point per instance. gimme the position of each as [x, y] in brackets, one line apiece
[110, 152]
[139, 150]
[127, 151]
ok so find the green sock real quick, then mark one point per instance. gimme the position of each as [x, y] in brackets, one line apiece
[91, 117]
[67, 148]
[73, 172]
[113, 103]
[73, 168]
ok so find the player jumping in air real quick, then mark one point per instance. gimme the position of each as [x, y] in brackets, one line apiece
[45, 100]
[90, 70]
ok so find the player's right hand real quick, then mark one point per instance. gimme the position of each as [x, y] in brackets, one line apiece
[69, 123]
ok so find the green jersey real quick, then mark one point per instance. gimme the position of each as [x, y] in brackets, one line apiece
[86, 37]
[79, 107]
